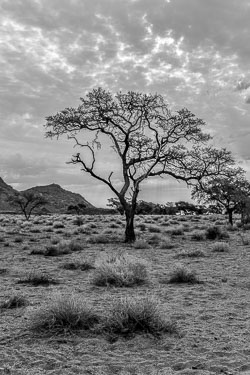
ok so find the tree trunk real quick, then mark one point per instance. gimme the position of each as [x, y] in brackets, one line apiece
[129, 231]
[230, 216]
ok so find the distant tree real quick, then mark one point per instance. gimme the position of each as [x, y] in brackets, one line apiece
[76, 208]
[27, 201]
[228, 192]
[116, 204]
[148, 139]
[186, 207]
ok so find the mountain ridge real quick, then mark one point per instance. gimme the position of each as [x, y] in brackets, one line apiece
[58, 198]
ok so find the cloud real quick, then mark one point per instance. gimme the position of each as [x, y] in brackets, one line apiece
[196, 53]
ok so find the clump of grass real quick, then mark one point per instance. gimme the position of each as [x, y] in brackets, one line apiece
[214, 232]
[176, 231]
[37, 278]
[78, 221]
[166, 244]
[120, 270]
[58, 225]
[154, 239]
[14, 302]
[245, 240]
[191, 254]
[64, 315]
[142, 227]
[141, 244]
[99, 238]
[198, 235]
[154, 229]
[62, 248]
[2, 239]
[77, 265]
[182, 274]
[18, 239]
[134, 315]
[220, 247]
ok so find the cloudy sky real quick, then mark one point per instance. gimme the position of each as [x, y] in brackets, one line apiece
[196, 53]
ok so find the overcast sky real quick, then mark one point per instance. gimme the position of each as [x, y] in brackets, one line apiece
[196, 53]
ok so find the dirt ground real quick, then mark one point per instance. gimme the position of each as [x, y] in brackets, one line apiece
[212, 317]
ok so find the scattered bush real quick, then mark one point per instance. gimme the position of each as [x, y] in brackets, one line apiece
[142, 227]
[78, 221]
[77, 265]
[58, 225]
[215, 232]
[220, 247]
[137, 315]
[37, 278]
[119, 270]
[176, 231]
[154, 229]
[191, 254]
[65, 315]
[245, 240]
[99, 238]
[18, 239]
[182, 274]
[14, 302]
[166, 244]
[198, 235]
[62, 248]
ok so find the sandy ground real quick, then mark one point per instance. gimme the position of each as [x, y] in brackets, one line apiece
[212, 317]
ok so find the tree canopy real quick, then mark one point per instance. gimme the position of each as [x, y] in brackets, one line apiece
[148, 138]
[229, 191]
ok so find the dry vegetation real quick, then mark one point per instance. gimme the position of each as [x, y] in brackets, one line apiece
[75, 299]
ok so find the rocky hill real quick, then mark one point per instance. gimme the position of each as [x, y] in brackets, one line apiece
[58, 198]
[5, 191]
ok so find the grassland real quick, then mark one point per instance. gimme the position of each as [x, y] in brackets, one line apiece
[76, 300]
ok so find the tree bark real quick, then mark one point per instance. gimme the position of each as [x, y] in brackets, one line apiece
[129, 231]
[230, 216]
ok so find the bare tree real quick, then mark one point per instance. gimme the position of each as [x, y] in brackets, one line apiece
[148, 138]
[27, 201]
[229, 192]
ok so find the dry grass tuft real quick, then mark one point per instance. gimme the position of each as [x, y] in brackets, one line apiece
[120, 270]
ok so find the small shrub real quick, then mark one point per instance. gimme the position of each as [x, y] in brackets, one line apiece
[137, 315]
[37, 278]
[176, 231]
[35, 230]
[142, 227]
[77, 265]
[55, 240]
[119, 270]
[215, 232]
[99, 238]
[220, 247]
[78, 221]
[58, 225]
[245, 240]
[14, 302]
[18, 239]
[191, 254]
[198, 235]
[166, 244]
[182, 274]
[155, 239]
[65, 315]
[62, 248]
[38, 252]
[154, 229]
